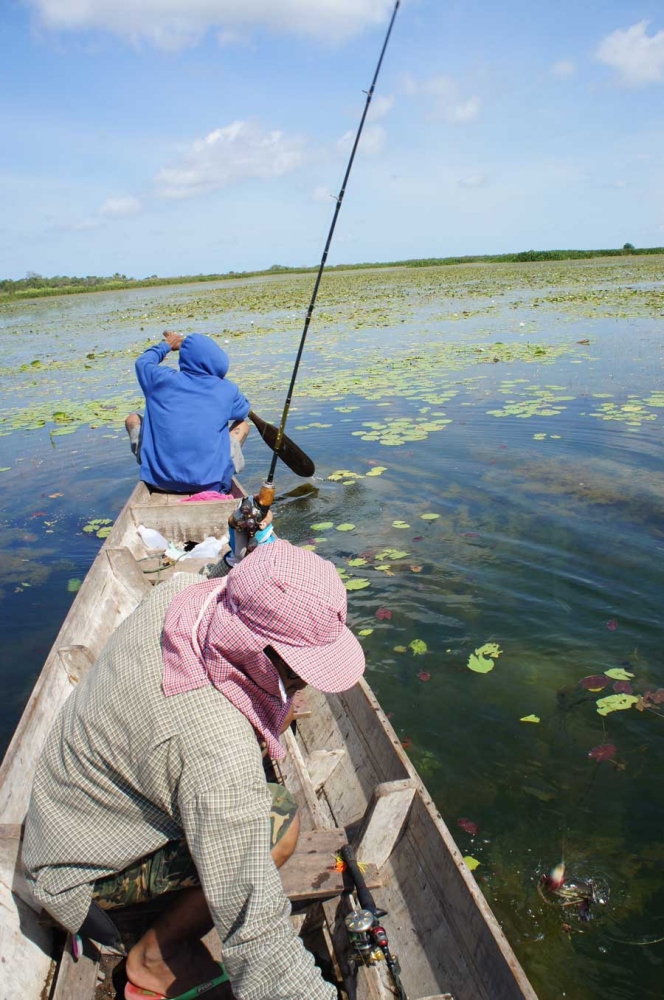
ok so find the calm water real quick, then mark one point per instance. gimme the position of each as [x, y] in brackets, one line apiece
[542, 459]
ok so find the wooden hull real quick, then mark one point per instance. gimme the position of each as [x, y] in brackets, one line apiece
[346, 768]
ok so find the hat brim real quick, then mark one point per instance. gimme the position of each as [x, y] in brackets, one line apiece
[332, 668]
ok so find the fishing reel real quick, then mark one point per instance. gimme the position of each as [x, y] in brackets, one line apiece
[368, 939]
[245, 522]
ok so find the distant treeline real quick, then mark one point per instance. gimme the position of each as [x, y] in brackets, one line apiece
[37, 286]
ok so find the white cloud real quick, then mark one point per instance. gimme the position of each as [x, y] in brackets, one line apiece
[372, 142]
[239, 151]
[637, 57]
[122, 205]
[472, 181]
[174, 24]
[564, 69]
[448, 103]
[379, 107]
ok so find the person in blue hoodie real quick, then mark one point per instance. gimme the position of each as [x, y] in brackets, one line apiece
[183, 442]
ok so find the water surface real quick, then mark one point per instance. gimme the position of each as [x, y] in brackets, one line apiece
[523, 406]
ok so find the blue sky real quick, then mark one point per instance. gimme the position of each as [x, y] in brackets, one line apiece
[199, 136]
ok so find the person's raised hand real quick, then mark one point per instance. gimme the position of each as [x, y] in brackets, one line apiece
[173, 339]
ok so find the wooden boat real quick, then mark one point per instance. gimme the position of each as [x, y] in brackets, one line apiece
[350, 775]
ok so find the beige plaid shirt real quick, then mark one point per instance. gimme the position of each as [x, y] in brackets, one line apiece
[125, 769]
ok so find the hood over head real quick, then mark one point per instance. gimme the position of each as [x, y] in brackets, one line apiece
[199, 355]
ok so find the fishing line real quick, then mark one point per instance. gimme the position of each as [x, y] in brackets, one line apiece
[312, 303]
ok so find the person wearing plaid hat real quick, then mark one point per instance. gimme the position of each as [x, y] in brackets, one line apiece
[151, 778]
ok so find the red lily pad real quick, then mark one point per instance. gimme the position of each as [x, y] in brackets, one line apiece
[424, 676]
[605, 751]
[383, 614]
[406, 743]
[594, 683]
[612, 624]
[657, 697]
[623, 687]
[468, 826]
[470, 534]
[39, 513]
[418, 538]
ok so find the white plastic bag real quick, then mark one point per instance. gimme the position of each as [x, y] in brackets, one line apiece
[209, 548]
[152, 539]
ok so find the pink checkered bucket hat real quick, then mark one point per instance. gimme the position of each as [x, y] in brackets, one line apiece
[296, 603]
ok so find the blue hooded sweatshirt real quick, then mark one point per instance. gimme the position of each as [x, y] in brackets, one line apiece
[185, 442]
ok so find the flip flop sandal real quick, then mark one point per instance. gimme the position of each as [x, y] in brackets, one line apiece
[136, 993]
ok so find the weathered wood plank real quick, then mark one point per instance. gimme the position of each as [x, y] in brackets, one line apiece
[75, 661]
[310, 874]
[297, 780]
[384, 820]
[128, 573]
[301, 708]
[76, 979]
[321, 764]
[26, 965]
[185, 522]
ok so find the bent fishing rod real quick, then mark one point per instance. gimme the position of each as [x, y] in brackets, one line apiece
[262, 503]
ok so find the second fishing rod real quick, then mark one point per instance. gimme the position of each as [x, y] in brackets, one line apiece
[253, 510]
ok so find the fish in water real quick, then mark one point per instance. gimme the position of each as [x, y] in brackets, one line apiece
[581, 894]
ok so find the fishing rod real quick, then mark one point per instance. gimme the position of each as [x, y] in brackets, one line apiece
[247, 519]
[367, 936]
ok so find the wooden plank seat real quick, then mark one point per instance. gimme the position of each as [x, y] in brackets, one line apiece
[310, 875]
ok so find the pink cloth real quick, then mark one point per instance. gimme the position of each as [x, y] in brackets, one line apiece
[195, 654]
[279, 596]
[208, 495]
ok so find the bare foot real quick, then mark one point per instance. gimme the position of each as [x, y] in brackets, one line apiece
[148, 969]
[132, 423]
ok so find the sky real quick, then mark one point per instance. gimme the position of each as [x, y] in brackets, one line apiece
[176, 137]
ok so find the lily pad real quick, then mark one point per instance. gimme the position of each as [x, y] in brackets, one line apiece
[429, 517]
[73, 585]
[401, 649]
[365, 631]
[418, 647]
[530, 718]
[595, 682]
[472, 863]
[400, 524]
[377, 470]
[482, 660]
[390, 554]
[359, 561]
[357, 583]
[322, 526]
[618, 674]
[615, 703]
[345, 527]
[605, 751]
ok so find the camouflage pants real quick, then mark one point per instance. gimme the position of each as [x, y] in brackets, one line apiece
[171, 867]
